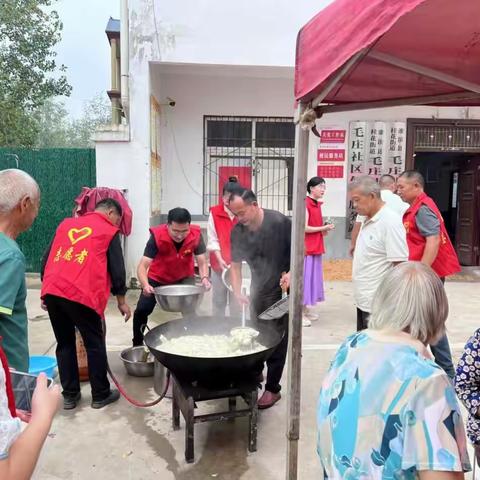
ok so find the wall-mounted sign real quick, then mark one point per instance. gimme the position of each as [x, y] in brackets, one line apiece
[331, 155]
[331, 151]
[375, 149]
[332, 135]
[330, 171]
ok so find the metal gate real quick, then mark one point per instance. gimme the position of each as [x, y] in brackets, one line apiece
[61, 174]
[259, 151]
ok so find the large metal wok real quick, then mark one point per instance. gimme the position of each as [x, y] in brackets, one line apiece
[213, 370]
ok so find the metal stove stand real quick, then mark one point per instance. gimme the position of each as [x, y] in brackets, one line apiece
[186, 394]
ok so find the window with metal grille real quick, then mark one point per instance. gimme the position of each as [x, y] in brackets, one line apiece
[259, 151]
[447, 138]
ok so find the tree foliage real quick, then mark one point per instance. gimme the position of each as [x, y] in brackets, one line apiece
[56, 129]
[29, 74]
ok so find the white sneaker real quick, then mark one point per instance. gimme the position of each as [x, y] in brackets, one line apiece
[311, 315]
[306, 322]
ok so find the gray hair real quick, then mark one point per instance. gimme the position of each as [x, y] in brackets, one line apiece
[14, 186]
[411, 298]
[366, 185]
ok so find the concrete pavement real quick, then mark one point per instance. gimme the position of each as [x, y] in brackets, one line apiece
[124, 442]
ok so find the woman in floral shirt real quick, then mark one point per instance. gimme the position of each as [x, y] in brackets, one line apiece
[386, 410]
[467, 385]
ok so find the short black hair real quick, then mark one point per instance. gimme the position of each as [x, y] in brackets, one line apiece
[413, 175]
[109, 203]
[245, 194]
[314, 181]
[179, 215]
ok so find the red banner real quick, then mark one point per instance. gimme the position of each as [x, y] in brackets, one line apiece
[332, 136]
[330, 171]
[330, 155]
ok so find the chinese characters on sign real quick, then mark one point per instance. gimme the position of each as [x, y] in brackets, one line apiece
[375, 149]
[330, 171]
[396, 149]
[326, 155]
[377, 140]
[332, 136]
[331, 151]
[357, 146]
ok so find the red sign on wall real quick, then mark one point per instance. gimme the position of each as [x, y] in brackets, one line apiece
[330, 155]
[330, 171]
[243, 174]
[332, 136]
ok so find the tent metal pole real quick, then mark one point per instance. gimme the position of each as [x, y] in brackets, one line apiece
[296, 297]
[430, 99]
[425, 71]
[338, 76]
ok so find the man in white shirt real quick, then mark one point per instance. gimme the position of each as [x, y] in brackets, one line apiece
[381, 244]
[388, 188]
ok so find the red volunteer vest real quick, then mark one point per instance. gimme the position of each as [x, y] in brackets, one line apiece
[223, 227]
[314, 241]
[8, 382]
[76, 268]
[446, 262]
[170, 266]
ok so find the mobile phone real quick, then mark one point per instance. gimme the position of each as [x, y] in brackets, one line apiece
[23, 385]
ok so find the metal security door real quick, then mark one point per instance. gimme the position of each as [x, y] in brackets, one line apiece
[467, 232]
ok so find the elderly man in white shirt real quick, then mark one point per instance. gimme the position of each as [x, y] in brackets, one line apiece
[388, 187]
[381, 244]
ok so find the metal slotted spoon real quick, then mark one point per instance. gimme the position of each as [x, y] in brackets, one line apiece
[277, 310]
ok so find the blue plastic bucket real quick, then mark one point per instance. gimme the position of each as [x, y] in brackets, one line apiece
[44, 364]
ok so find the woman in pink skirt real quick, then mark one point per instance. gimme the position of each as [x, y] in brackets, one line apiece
[315, 229]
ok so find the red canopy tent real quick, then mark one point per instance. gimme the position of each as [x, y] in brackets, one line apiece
[395, 51]
[359, 54]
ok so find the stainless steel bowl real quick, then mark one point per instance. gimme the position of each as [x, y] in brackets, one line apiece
[179, 298]
[138, 361]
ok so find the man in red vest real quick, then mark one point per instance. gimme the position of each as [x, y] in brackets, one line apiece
[168, 259]
[428, 242]
[82, 265]
[220, 223]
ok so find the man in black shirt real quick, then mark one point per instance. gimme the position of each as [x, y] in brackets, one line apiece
[262, 238]
[168, 259]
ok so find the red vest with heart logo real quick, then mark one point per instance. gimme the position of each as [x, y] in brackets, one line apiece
[446, 262]
[76, 268]
[223, 227]
[314, 241]
[170, 266]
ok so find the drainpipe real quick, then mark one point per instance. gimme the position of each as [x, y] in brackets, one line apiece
[124, 58]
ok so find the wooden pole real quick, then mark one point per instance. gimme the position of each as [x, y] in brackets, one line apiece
[296, 297]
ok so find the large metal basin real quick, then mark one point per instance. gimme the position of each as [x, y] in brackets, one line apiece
[179, 298]
[138, 361]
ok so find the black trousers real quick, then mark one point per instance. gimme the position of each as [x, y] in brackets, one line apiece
[65, 315]
[145, 306]
[276, 362]
[362, 320]
[442, 354]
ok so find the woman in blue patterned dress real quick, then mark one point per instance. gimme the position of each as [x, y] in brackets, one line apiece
[467, 385]
[386, 410]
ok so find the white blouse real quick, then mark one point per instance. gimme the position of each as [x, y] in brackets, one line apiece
[10, 427]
